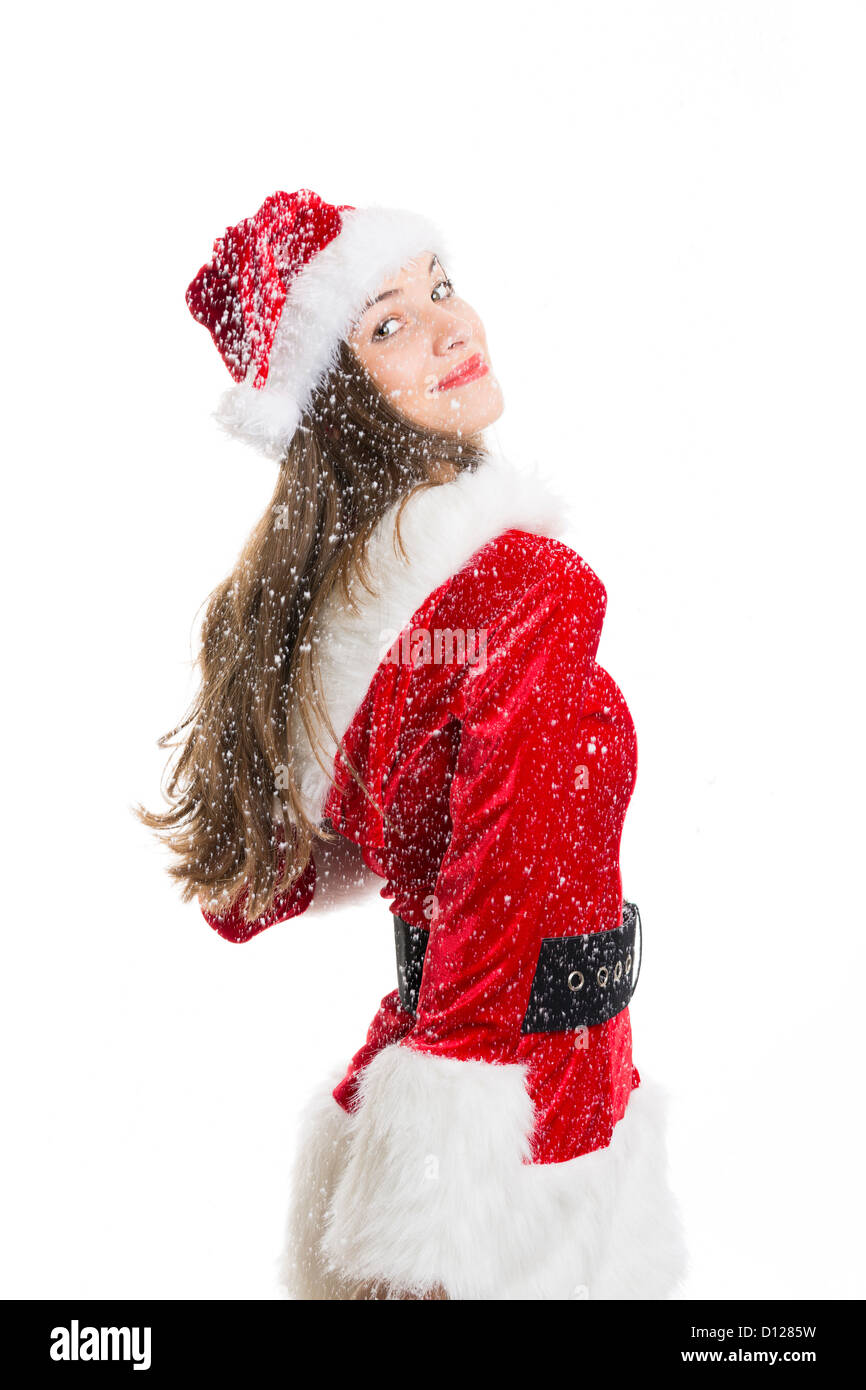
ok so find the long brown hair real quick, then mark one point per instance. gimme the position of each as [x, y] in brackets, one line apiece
[352, 456]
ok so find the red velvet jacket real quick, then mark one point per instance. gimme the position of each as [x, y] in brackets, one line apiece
[499, 779]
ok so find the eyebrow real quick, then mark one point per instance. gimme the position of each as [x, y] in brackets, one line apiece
[388, 293]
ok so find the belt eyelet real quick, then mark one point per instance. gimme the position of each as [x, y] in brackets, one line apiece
[617, 972]
[603, 972]
[575, 981]
[628, 963]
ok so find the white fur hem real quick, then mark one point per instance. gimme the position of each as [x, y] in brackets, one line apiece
[425, 1185]
[321, 1153]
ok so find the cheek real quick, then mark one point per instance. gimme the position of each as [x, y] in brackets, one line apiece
[472, 320]
[405, 368]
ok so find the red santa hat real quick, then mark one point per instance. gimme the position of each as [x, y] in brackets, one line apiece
[280, 292]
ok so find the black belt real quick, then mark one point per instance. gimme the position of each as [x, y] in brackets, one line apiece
[579, 980]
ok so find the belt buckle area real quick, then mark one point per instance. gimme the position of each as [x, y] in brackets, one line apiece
[586, 979]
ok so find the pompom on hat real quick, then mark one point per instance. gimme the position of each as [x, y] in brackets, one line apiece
[280, 292]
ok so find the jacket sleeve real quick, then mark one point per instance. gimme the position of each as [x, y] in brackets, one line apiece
[233, 926]
[337, 875]
[443, 1129]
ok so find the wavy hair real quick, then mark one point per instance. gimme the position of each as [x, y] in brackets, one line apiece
[352, 457]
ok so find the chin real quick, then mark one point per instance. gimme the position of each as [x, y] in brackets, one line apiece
[475, 415]
[479, 420]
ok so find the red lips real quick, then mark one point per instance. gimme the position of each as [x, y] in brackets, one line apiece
[473, 367]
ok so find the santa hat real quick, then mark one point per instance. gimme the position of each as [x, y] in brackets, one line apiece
[282, 290]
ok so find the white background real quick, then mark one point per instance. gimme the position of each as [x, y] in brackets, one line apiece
[659, 211]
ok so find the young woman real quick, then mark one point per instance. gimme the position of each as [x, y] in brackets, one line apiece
[399, 682]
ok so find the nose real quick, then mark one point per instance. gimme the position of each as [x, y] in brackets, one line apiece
[450, 335]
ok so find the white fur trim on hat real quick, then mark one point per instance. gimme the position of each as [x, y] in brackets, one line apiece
[324, 299]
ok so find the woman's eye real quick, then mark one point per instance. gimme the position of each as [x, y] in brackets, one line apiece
[434, 293]
[383, 330]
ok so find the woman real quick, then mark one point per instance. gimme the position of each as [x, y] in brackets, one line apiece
[399, 682]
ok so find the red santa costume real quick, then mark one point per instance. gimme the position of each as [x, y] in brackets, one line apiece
[467, 1146]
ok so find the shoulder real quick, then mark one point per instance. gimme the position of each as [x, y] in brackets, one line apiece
[495, 525]
[521, 568]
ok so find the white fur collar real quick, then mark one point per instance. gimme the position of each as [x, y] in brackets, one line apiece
[441, 528]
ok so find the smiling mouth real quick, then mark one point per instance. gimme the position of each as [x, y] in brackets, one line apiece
[473, 367]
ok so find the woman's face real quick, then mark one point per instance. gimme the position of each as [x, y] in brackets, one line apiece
[427, 352]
